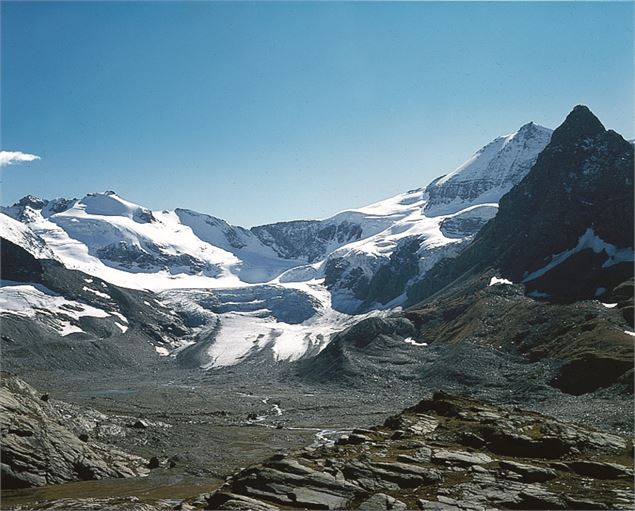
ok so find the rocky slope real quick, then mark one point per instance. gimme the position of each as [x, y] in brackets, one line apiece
[491, 329]
[49, 442]
[56, 317]
[571, 215]
[444, 453]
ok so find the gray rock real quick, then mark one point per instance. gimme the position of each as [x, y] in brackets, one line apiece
[227, 500]
[381, 501]
[460, 458]
[431, 505]
[598, 470]
[404, 458]
[354, 438]
[535, 497]
[312, 497]
[38, 448]
[529, 473]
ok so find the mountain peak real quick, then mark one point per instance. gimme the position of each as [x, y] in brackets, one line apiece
[531, 129]
[580, 123]
[489, 173]
[108, 203]
[32, 201]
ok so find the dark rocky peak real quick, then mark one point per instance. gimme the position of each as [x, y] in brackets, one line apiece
[32, 202]
[580, 123]
[24, 208]
[582, 180]
[57, 206]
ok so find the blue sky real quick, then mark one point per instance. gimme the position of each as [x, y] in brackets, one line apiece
[259, 112]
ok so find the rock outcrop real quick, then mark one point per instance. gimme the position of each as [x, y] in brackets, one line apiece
[445, 453]
[43, 445]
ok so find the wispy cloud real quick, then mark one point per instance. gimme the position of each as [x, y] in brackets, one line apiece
[11, 157]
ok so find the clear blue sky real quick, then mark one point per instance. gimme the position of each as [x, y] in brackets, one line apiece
[258, 112]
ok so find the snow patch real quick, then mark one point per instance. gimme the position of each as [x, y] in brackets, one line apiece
[120, 316]
[410, 340]
[34, 300]
[95, 292]
[497, 281]
[588, 240]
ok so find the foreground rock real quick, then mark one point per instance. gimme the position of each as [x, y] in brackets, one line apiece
[445, 453]
[43, 445]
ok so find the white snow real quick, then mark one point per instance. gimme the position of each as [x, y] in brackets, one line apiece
[183, 249]
[632, 334]
[410, 340]
[123, 328]
[277, 410]
[34, 300]
[247, 325]
[498, 281]
[66, 328]
[95, 292]
[588, 240]
[501, 164]
[120, 316]
[20, 234]
[235, 257]
[609, 305]
[242, 333]
[163, 352]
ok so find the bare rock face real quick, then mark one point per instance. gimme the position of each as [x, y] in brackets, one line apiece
[40, 445]
[522, 460]
[558, 230]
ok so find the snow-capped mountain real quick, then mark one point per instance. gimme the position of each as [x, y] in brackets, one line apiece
[566, 230]
[490, 173]
[105, 235]
[357, 261]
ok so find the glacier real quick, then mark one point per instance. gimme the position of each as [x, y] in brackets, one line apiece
[284, 288]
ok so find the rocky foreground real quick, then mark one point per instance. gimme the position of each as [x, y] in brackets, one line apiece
[50, 442]
[444, 453]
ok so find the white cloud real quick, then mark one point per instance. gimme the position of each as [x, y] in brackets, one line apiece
[11, 157]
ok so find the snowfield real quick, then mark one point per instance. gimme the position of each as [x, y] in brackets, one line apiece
[56, 312]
